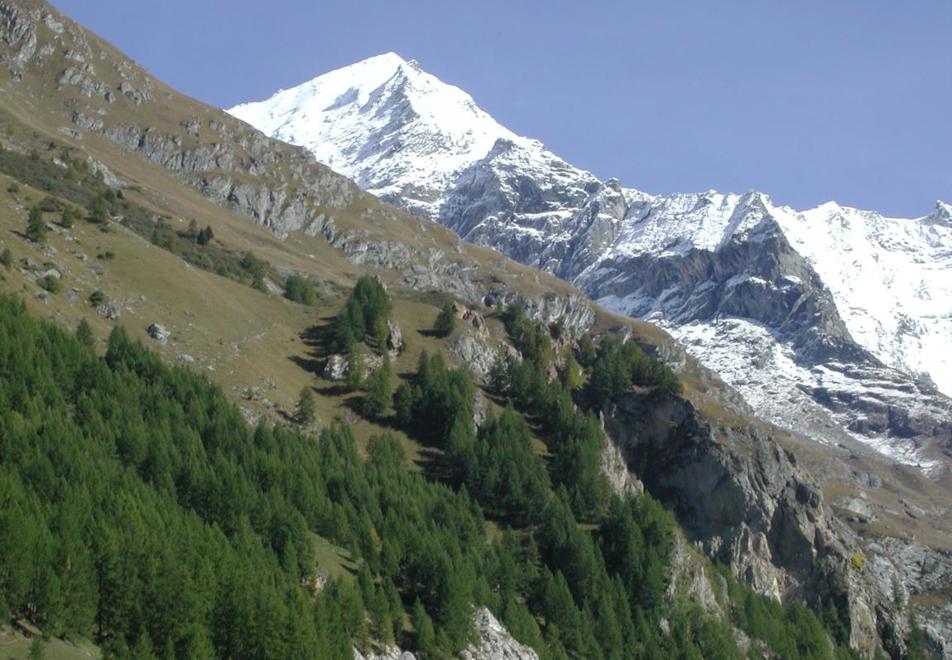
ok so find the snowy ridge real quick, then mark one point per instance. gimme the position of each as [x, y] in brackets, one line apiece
[891, 279]
[853, 306]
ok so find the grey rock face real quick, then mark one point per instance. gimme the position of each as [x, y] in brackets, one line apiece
[620, 479]
[495, 642]
[389, 653]
[743, 499]
[394, 338]
[903, 569]
[18, 33]
[475, 353]
[335, 368]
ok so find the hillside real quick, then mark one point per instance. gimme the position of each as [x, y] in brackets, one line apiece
[72, 106]
[848, 308]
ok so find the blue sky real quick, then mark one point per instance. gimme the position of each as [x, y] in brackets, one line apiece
[808, 101]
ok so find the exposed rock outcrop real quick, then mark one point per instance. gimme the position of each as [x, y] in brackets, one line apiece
[335, 368]
[495, 642]
[394, 339]
[743, 499]
[159, 333]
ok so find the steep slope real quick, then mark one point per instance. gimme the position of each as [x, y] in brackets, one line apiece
[66, 88]
[858, 304]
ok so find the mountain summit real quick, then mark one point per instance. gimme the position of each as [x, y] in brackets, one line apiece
[398, 131]
[846, 313]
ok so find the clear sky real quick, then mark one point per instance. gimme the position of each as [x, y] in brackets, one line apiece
[808, 101]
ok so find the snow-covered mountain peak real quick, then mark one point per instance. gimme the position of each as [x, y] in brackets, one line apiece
[386, 123]
[941, 215]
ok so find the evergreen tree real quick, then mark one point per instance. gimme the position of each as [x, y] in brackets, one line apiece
[98, 210]
[423, 629]
[35, 226]
[403, 404]
[306, 409]
[379, 390]
[205, 236]
[364, 315]
[69, 217]
[84, 334]
[571, 374]
[355, 369]
[445, 321]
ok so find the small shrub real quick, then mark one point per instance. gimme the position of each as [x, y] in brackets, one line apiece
[69, 217]
[13, 188]
[6, 258]
[97, 298]
[50, 283]
[51, 205]
[98, 211]
[306, 409]
[299, 290]
[205, 236]
[84, 333]
[858, 561]
[108, 255]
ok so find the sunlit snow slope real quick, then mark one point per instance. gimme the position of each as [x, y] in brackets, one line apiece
[384, 123]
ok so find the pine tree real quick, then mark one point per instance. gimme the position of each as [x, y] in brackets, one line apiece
[306, 409]
[423, 627]
[403, 404]
[446, 321]
[355, 369]
[379, 390]
[98, 211]
[572, 376]
[84, 334]
[205, 236]
[35, 226]
[69, 217]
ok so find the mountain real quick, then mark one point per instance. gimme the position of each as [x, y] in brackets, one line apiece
[846, 313]
[152, 216]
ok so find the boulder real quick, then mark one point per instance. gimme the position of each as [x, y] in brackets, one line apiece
[109, 310]
[335, 368]
[159, 333]
[394, 339]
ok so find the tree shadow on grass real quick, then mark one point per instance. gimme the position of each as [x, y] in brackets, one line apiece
[317, 340]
